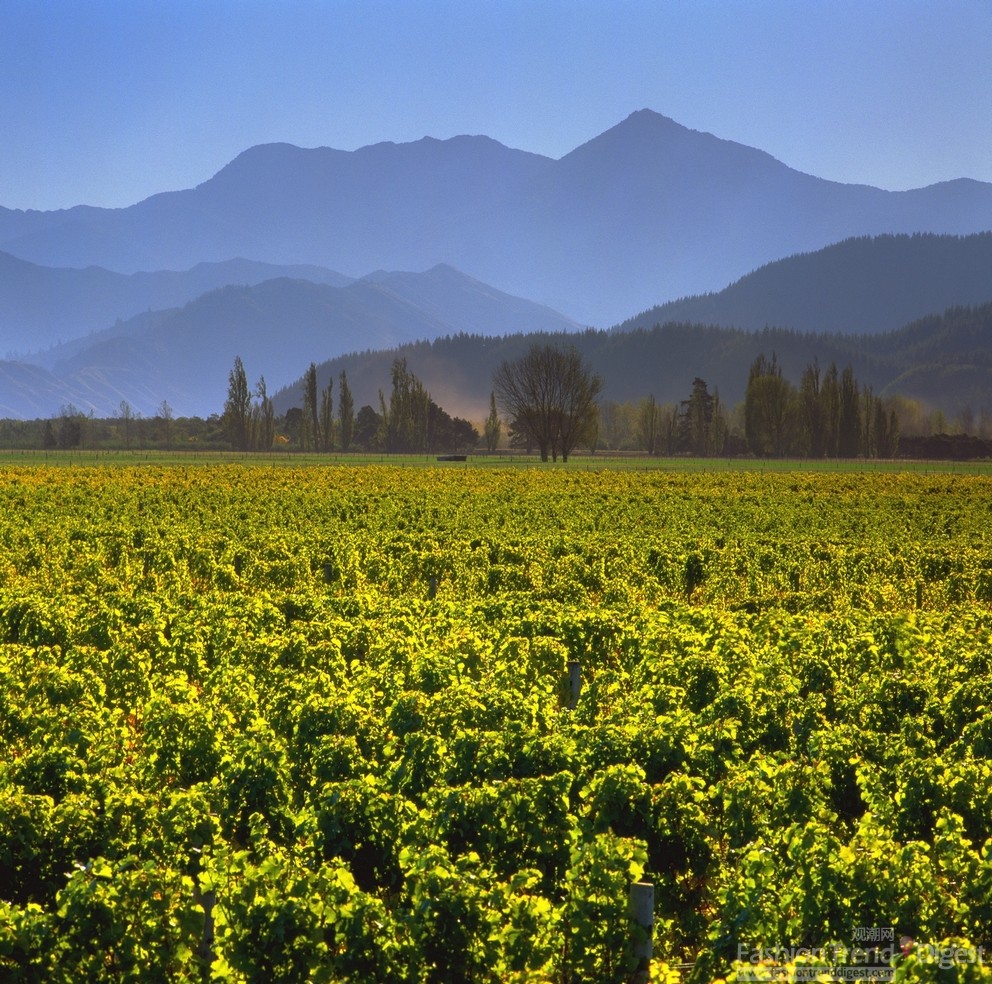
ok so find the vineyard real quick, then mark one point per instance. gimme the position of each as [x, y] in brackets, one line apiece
[264, 724]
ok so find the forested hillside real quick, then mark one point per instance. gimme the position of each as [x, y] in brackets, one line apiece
[866, 285]
[945, 359]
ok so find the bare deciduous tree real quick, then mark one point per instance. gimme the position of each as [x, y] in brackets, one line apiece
[549, 395]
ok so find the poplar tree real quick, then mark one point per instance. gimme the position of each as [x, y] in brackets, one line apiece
[264, 418]
[849, 429]
[165, 414]
[811, 410]
[830, 411]
[237, 407]
[327, 417]
[648, 424]
[408, 419]
[311, 410]
[346, 413]
[768, 408]
[493, 428]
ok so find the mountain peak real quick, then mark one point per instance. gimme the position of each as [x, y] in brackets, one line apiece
[648, 117]
[643, 131]
[647, 211]
[271, 158]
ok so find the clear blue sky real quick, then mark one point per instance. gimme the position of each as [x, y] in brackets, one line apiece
[105, 102]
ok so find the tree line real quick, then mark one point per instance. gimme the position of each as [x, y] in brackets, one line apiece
[409, 422]
[829, 415]
[74, 428]
[548, 401]
[550, 398]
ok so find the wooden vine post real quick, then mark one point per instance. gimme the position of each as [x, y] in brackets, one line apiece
[574, 683]
[641, 929]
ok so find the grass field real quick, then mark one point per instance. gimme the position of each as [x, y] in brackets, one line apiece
[582, 462]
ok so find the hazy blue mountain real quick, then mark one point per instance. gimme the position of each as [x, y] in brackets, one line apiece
[468, 304]
[646, 212]
[278, 327]
[29, 391]
[384, 206]
[859, 286]
[43, 306]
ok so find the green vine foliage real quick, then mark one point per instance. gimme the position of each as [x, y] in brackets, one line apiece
[278, 724]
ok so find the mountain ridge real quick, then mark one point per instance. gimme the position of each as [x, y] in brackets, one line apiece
[647, 211]
[862, 285]
[44, 306]
[853, 295]
[278, 326]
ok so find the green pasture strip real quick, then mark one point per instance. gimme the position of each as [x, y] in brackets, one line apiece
[581, 462]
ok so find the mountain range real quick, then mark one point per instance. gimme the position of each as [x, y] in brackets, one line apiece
[42, 307]
[153, 302]
[183, 354]
[839, 303]
[647, 212]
